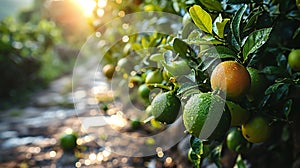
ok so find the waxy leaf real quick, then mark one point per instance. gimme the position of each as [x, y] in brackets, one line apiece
[201, 18]
[212, 5]
[235, 25]
[255, 40]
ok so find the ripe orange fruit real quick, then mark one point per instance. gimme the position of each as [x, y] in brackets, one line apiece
[256, 130]
[232, 78]
[108, 70]
[204, 116]
[294, 59]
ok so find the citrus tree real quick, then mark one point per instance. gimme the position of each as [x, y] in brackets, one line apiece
[233, 69]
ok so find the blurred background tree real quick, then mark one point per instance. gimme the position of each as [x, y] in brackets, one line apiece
[39, 41]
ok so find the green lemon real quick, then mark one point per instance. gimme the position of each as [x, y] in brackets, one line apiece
[294, 59]
[68, 141]
[154, 77]
[144, 91]
[165, 107]
[204, 116]
[236, 142]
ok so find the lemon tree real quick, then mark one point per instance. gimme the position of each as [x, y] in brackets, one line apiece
[235, 70]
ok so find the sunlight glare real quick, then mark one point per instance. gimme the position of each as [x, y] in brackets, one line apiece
[102, 3]
[87, 6]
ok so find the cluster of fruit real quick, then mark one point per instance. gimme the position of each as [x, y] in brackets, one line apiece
[213, 114]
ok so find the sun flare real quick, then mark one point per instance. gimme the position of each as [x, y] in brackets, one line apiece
[87, 6]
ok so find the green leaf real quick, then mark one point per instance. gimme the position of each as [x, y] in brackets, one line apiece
[235, 25]
[282, 91]
[255, 40]
[196, 37]
[273, 88]
[201, 18]
[157, 57]
[212, 5]
[239, 163]
[285, 135]
[225, 52]
[196, 145]
[216, 53]
[296, 33]
[252, 20]
[184, 50]
[237, 1]
[219, 26]
[188, 29]
[287, 107]
[187, 86]
[197, 151]
[274, 70]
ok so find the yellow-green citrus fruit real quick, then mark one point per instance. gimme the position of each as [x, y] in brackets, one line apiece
[294, 59]
[108, 70]
[68, 141]
[204, 116]
[135, 123]
[258, 84]
[256, 130]
[144, 91]
[165, 107]
[154, 77]
[236, 142]
[239, 115]
[230, 77]
[298, 4]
